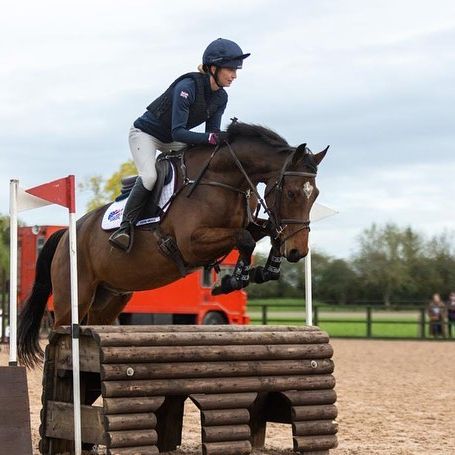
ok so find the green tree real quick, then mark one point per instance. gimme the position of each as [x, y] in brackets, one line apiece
[337, 282]
[440, 264]
[4, 255]
[4, 243]
[381, 259]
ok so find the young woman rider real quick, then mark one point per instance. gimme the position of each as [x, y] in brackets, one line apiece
[192, 99]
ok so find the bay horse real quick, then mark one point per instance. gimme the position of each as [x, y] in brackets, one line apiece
[212, 213]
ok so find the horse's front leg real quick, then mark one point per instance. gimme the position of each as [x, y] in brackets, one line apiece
[240, 277]
[271, 270]
[231, 238]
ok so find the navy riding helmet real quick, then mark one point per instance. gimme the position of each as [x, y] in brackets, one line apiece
[224, 53]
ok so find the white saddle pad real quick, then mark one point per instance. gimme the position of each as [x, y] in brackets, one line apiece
[113, 214]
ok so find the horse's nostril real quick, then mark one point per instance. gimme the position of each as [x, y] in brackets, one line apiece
[294, 255]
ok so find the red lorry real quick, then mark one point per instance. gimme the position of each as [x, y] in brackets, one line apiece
[186, 301]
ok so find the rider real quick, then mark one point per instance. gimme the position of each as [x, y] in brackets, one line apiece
[192, 99]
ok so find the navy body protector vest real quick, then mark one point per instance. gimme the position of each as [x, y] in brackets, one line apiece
[200, 110]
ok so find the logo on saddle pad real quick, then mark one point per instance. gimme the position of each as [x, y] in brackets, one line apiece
[115, 215]
[114, 212]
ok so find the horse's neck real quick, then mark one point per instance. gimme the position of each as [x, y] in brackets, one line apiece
[262, 164]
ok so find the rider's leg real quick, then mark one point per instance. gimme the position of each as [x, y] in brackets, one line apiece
[123, 236]
[143, 148]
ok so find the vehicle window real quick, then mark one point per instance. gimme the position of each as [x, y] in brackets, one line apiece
[207, 280]
[225, 270]
[39, 245]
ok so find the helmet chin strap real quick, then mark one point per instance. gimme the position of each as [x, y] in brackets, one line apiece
[215, 76]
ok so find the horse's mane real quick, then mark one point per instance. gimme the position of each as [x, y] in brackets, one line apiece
[238, 130]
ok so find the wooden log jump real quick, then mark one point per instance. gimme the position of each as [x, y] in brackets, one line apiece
[240, 378]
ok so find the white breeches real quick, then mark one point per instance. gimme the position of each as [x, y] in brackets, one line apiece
[144, 148]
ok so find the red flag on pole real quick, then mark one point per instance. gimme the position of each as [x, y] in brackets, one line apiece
[59, 192]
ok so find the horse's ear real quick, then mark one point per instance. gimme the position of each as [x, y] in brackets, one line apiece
[320, 156]
[299, 152]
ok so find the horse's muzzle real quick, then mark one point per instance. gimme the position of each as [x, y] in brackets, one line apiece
[294, 255]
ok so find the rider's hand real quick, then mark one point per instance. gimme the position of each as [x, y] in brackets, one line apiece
[218, 138]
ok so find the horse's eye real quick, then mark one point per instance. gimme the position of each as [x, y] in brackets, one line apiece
[291, 194]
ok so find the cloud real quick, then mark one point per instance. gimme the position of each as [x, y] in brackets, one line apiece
[416, 195]
[372, 79]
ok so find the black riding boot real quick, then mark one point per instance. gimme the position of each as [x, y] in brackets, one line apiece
[123, 237]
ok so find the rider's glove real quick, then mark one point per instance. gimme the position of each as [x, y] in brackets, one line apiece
[218, 138]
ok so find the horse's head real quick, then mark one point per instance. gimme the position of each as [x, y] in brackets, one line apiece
[290, 197]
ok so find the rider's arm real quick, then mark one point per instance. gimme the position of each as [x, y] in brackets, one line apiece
[184, 95]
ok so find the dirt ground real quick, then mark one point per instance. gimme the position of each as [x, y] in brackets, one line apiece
[394, 398]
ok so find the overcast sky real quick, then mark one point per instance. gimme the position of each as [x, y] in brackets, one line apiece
[375, 80]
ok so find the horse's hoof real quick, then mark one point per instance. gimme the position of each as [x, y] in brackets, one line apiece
[217, 290]
[228, 284]
[258, 275]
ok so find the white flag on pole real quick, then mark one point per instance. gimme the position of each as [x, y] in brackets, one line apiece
[26, 201]
[320, 212]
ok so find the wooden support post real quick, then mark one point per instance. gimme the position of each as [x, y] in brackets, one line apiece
[422, 323]
[264, 314]
[368, 322]
[15, 432]
[170, 423]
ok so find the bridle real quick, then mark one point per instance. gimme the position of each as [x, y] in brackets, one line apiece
[282, 223]
[275, 225]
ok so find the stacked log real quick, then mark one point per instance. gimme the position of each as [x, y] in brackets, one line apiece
[240, 377]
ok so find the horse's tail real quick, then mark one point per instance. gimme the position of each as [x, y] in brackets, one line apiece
[28, 348]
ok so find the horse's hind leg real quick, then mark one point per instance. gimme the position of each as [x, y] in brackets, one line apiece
[106, 306]
[62, 300]
[61, 284]
[62, 303]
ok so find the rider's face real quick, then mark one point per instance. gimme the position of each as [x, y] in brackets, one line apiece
[226, 76]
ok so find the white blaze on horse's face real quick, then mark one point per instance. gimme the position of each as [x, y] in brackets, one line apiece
[308, 189]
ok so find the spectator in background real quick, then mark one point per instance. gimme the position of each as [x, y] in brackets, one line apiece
[450, 309]
[436, 313]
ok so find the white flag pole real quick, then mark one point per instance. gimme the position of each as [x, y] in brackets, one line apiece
[75, 326]
[13, 185]
[308, 289]
[318, 212]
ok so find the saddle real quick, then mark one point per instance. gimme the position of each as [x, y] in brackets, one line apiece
[158, 201]
[165, 174]
[167, 186]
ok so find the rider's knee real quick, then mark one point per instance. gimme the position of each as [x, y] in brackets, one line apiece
[148, 180]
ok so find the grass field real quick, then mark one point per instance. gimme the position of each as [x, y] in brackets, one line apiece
[347, 321]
